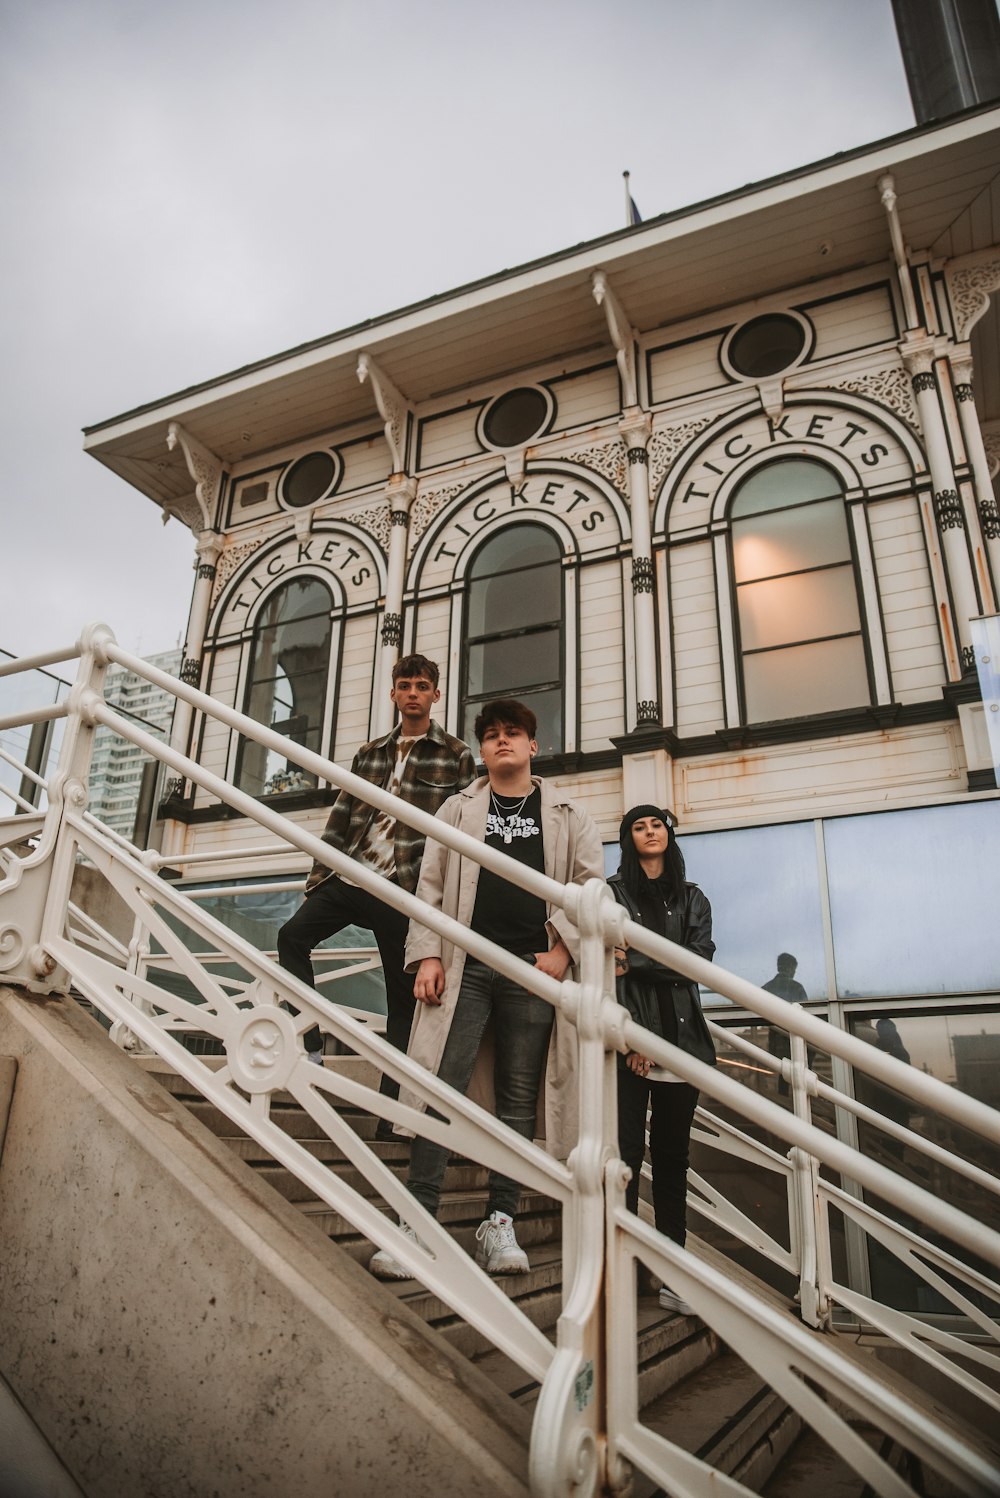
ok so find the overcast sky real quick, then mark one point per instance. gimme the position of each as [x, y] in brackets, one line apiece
[190, 186]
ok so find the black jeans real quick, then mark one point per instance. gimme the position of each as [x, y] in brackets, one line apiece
[328, 909]
[672, 1106]
[522, 1025]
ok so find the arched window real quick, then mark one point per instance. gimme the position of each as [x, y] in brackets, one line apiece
[797, 600]
[514, 629]
[286, 683]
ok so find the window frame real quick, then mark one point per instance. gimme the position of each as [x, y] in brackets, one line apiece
[466, 641]
[246, 678]
[736, 689]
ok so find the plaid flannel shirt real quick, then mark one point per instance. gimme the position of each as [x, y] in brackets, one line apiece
[437, 767]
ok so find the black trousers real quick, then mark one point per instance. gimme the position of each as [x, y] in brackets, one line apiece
[671, 1112]
[328, 909]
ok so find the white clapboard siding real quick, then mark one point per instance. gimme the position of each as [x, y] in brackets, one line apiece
[839, 774]
[365, 463]
[907, 600]
[697, 671]
[229, 837]
[433, 640]
[852, 322]
[354, 694]
[686, 369]
[600, 793]
[586, 398]
[602, 666]
[449, 438]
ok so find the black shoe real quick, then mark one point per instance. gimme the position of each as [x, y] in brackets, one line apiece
[383, 1132]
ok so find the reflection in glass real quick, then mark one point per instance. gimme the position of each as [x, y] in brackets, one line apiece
[765, 899]
[961, 1049]
[513, 628]
[913, 899]
[286, 689]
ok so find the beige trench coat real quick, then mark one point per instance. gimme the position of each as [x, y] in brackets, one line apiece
[573, 854]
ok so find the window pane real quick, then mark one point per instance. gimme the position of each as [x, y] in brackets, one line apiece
[547, 707]
[806, 606]
[786, 482]
[790, 540]
[805, 679]
[763, 886]
[528, 659]
[287, 685]
[516, 546]
[515, 600]
[913, 896]
[963, 1051]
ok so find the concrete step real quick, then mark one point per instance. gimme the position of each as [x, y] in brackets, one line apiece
[727, 1416]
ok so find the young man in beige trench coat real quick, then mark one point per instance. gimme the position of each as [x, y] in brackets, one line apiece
[533, 1053]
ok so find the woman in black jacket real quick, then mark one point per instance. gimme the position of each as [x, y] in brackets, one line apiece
[651, 886]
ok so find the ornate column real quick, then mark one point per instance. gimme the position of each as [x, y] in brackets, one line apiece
[636, 428]
[400, 493]
[948, 515]
[987, 517]
[206, 470]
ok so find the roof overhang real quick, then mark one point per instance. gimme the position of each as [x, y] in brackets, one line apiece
[790, 230]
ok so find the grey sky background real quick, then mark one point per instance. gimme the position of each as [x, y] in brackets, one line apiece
[191, 186]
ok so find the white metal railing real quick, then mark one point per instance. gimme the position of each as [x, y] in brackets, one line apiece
[588, 1425]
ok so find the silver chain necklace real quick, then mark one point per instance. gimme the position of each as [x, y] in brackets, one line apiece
[505, 813]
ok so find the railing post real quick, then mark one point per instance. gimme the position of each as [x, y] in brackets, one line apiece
[568, 1453]
[812, 1221]
[37, 906]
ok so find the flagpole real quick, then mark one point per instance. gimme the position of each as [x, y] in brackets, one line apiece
[628, 201]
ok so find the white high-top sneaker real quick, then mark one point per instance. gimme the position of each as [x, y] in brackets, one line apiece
[498, 1251]
[384, 1267]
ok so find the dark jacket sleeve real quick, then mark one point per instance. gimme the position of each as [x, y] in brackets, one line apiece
[335, 831]
[696, 935]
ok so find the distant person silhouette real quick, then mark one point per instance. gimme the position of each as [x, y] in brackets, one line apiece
[784, 983]
[784, 986]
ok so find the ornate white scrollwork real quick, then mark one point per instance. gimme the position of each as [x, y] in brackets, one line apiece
[377, 521]
[608, 459]
[970, 286]
[206, 470]
[392, 407]
[665, 445]
[426, 506]
[885, 387]
[231, 559]
[264, 1049]
[11, 947]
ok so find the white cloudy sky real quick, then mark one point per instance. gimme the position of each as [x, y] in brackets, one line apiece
[192, 185]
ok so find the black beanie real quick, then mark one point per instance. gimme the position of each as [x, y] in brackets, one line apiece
[636, 815]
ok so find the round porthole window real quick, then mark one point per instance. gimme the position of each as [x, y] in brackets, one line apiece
[766, 345]
[309, 479]
[515, 417]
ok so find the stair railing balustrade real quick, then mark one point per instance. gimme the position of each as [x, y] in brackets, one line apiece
[587, 1430]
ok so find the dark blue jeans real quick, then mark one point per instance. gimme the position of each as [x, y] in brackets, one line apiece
[522, 1025]
[671, 1112]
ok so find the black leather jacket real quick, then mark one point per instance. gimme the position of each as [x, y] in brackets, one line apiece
[688, 922]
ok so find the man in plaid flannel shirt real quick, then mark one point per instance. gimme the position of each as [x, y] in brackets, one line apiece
[421, 763]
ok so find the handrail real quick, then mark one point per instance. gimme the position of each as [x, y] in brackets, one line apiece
[601, 1241]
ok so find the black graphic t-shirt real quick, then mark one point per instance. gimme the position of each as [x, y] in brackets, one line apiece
[505, 914]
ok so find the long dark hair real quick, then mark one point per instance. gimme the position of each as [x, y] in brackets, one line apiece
[633, 876]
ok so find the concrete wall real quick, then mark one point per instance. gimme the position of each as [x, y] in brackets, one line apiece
[174, 1328]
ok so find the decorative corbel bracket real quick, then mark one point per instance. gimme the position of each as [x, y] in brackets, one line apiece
[622, 335]
[970, 284]
[205, 469]
[392, 407]
[772, 397]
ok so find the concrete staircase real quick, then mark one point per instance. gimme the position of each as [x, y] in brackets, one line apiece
[690, 1386]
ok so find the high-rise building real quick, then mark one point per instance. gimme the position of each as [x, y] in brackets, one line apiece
[116, 774]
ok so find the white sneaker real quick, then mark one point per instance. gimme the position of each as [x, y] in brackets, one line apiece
[384, 1267]
[671, 1302]
[498, 1251]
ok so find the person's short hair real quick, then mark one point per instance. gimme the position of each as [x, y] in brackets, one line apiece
[416, 665]
[506, 712]
[787, 963]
